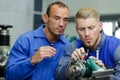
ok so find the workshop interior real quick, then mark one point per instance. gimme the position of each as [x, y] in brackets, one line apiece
[20, 16]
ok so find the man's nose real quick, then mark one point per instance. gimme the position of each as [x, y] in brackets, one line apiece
[61, 22]
[87, 32]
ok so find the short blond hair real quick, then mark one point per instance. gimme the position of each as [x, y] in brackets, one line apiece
[87, 12]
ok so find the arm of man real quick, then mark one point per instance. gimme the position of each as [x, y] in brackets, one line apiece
[19, 66]
[116, 75]
[61, 72]
[22, 60]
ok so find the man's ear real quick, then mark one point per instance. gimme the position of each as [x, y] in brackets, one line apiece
[45, 18]
[101, 26]
[76, 29]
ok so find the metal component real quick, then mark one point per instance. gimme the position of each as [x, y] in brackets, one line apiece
[4, 47]
[88, 69]
[78, 69]
[4, 50]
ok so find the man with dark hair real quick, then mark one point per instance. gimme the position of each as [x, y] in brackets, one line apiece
[35, 54]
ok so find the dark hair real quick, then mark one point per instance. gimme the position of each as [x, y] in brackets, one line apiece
[119, 22]
[60, 4]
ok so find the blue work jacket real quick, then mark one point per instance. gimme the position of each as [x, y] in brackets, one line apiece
[108, 50]
[19, 66]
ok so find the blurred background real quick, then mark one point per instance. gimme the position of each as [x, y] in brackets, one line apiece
[25, 15]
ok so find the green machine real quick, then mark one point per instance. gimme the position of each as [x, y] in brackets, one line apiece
[89, 69]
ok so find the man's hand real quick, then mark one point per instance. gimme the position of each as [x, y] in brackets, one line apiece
[99, 62]
[43, 52]
[79, 54]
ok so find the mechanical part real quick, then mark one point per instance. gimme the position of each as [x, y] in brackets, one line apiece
[4, 48]
[81, 68]
[4, 43]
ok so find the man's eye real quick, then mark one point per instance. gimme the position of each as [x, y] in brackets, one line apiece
[66, 20]
[91, 27]
[56, 18]
[81, 29]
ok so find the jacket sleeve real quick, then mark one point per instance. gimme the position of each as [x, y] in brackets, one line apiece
[116, 75]
[64, 63]
[18, 65]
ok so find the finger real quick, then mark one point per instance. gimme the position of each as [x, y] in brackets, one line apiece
[83, 53]
[46, 51]
[93, 57]
[100, 63]
[75, 55]
[51, 52]
[46, 55]
[82, 50]
[49, 49]
[53, 49]
[78, 52]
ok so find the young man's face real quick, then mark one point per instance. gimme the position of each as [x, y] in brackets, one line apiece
[89, 31]
[58, 19]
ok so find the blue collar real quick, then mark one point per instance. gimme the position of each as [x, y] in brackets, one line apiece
[38, 33]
